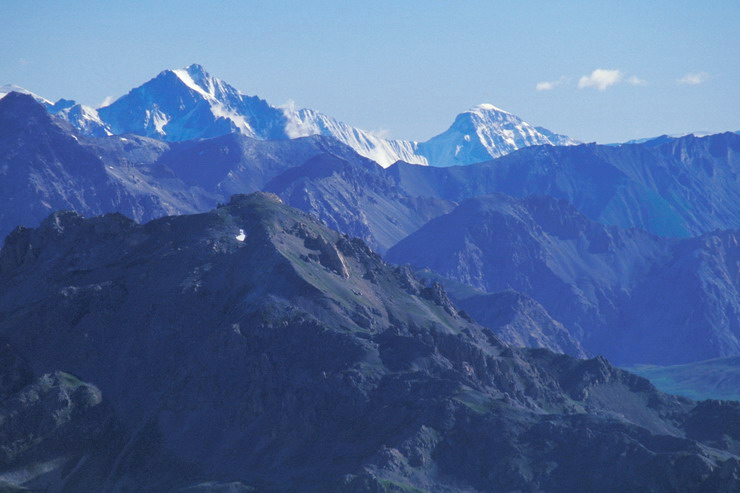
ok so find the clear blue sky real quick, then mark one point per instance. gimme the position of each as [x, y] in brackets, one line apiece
[407, 67]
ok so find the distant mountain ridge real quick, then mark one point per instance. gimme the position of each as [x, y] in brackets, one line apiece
[46, 166]
[623, 293]
[678, 187]
[189, 103]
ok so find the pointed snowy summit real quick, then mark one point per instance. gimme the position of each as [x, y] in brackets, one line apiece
[485, 132]
[8, 88]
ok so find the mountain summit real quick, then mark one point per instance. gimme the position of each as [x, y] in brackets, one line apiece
[189, 103]
[485, 132]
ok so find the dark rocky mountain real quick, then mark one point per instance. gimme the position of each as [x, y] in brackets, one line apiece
[252, 349]
[514, 317]
[45, 421]
[681, 187]
[623, 293]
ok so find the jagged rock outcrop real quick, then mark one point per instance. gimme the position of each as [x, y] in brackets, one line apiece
[47, 423]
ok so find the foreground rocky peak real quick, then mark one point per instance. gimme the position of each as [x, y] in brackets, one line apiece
[251, 346]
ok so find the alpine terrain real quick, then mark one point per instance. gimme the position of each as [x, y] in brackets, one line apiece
[251, 348]
[189, 103]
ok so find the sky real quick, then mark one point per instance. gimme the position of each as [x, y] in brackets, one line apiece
[593, 70]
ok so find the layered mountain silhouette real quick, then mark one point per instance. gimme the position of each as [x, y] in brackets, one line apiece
[678, 187]
[252, 348]
[623, 293]
[48, 166]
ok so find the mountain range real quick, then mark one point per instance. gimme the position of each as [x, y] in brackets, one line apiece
[251, 348]
[677, 187]
[196, 296]
[623, 293]
[189, 103]
[681, 187]
[603, 271]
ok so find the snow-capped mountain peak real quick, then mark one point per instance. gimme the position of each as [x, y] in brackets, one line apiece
[196, 78]
[8, 88]
[487, 108]
[482, 133]
[189, 103]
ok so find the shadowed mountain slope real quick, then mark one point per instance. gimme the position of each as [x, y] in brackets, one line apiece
[624, 293]
[252, 346]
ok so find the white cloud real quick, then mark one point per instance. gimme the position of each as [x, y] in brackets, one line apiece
[636, 81]
[600, 79]
[297, 127]
[108, 100]
[549, 85]
[694, 78]
[381, 133]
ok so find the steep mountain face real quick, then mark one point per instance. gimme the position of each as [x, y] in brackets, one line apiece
[189, 103]
[630, 296]
[45, 167]
[385, 152]
[253, 347]
[357, 198]
[514, 317]
[682, 187]
[482, 133]
[521, 321]
[85, 119]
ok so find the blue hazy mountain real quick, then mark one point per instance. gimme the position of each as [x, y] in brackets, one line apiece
[48, 166]
[252, 348]
[711, 379]
[623, 293]
[681, 187]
